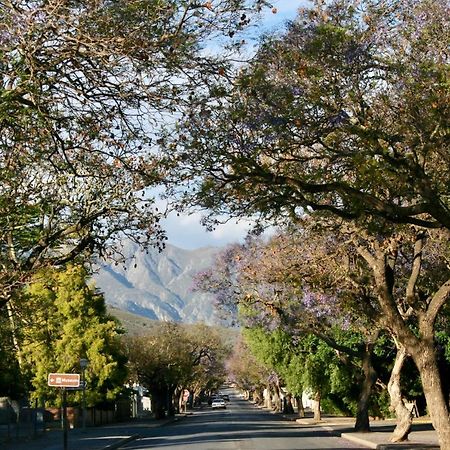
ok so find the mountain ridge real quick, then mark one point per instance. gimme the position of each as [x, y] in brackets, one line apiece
[158, 285]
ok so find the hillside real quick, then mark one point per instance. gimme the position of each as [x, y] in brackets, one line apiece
[158, 286]
[132, 324]
[138, 325]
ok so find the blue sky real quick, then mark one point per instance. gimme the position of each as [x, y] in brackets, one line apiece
[286, 10]
[185, 231]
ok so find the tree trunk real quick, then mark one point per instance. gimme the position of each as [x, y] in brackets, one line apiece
[267, 398]
[276, 401]
[12, 322]
[257, 398]
[196, 399]
[277, 406]
[181, 406]
[171, 401]
[369, 378]
[425, 359]
[300, 407]
[316, 407]
[159, 399]
[287, 406]
[402, 413]
[420, 347]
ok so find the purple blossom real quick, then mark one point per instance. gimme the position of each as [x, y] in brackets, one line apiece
[341, 118]
[273, 378]
[297, 91]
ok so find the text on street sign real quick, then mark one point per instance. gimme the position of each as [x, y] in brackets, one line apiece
[64, 379]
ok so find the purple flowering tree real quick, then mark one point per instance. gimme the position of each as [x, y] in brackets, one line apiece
[394, 279]
[285, 284]
[346, 115]
[247, 372]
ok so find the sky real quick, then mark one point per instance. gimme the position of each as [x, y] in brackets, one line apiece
[185, 231]
[285, 10]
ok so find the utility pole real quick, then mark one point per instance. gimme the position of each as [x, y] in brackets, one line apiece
[83, 364]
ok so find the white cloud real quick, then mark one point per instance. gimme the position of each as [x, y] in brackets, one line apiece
[232, 229]
[186, 231]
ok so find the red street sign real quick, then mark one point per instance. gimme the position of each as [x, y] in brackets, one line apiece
[64, 379]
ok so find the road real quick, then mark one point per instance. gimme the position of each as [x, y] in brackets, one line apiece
[242, 426]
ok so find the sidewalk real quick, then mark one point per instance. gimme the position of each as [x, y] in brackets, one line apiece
[423, 435]
[106, 437]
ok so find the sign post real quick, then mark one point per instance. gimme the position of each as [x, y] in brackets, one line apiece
[64, 415]
[84, 362]
[63, 381]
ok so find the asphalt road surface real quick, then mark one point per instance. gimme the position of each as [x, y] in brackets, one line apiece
[241, 426]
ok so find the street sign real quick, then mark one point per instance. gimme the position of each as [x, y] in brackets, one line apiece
[64, 379]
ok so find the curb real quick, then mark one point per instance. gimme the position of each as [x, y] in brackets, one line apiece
[359, 440]
[407, 446]
[122, 442]
[389, 446]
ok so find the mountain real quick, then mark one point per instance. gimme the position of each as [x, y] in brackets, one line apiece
[158, 285]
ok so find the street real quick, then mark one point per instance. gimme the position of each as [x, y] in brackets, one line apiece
[241, 426]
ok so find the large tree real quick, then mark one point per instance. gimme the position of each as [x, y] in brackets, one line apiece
[84, 88]
[345, 112]
[411, 279]
[399, 279]
[60, 319]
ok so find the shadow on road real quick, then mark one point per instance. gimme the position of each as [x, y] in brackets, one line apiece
[213, 429]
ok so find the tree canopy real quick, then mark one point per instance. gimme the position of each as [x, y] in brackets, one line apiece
[346, 112]
[345, 115]
[172, 356]
[85, 87]
[59, 320]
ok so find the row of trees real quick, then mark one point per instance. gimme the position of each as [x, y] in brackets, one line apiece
[338, 129]
[84, 89]
[60, 319]
[173, 358]
[310, 284]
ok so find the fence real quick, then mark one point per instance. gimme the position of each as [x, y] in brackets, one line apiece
[22, 422]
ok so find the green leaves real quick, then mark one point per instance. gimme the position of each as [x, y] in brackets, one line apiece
[69, 322]
[173, 355]
[339, 114]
